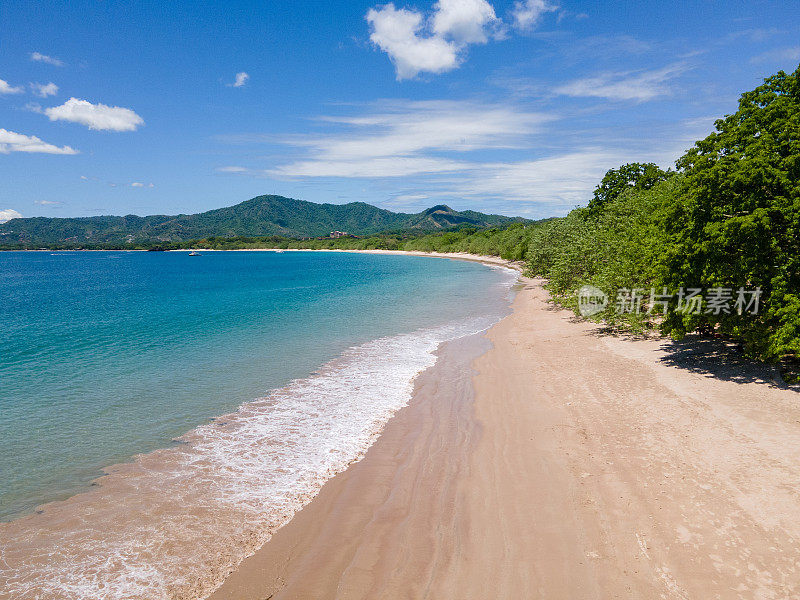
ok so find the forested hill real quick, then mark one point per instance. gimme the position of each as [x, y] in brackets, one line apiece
[260, 216]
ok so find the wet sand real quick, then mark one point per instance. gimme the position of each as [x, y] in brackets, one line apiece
[559, 463]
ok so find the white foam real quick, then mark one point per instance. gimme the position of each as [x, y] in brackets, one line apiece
[177, 521]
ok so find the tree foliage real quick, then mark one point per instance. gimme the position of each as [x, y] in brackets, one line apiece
[728, 219]
[638, 176]
[737, 222]
[614, 249]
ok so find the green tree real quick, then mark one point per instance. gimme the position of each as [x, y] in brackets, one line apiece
[640, 176]
[737, 223]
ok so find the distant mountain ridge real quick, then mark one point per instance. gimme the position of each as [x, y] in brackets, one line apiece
[260, 216]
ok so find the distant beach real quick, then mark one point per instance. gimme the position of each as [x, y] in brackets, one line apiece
[494, 261]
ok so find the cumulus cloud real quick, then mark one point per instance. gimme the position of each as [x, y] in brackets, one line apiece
[17, 142]
[437, 41]
[637, 86]
[39, 57]
[95, 116]
[463, 21]
[240, 80]
[397, 32]
[9, 213]
[6, 88]
[527, 14]
[43, 90]
[434, 44]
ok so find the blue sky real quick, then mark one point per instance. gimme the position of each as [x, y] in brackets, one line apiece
[510, 107]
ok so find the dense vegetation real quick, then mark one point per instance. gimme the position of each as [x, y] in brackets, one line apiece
[260, 216]
[728, 219]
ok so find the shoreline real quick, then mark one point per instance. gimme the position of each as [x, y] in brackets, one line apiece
[556, 463]
[319, 536]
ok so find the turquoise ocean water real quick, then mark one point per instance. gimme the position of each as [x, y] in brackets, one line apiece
[106, 355]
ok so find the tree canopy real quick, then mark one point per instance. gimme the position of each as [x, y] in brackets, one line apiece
[737, 221]
[640, 176]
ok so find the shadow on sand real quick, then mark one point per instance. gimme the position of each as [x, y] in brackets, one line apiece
[722, 360]
[711, 357]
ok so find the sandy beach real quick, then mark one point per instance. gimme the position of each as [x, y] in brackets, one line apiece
[548, 460]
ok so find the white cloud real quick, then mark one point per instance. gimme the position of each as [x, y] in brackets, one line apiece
[17, 142]
[757, 35]
[6, 88]
[241, 79]
[95, 116]
[38, 57]
[555, 183]
[404, 138]
[464, 21]
[435, 43]
[47, 202]
[232, 169]
[43, 90]
[139, 184]
[527, 14]
[9, 213]
[397, 32]
[638, 86]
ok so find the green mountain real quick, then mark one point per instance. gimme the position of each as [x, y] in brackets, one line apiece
[260, 216]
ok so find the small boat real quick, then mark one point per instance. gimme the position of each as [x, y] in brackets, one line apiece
[278, 251]
[195, 254]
